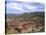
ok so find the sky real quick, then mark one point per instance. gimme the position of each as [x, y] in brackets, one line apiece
[21, 6]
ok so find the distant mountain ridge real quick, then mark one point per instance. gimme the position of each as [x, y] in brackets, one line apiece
[25, 14]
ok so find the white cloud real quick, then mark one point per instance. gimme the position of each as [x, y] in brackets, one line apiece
[41, 1]
[30, 7]
[14, 6]
[22, 8]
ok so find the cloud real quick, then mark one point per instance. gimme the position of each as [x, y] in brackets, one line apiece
[19, 7]
[14, 6]
[30, 7]
[40, 1]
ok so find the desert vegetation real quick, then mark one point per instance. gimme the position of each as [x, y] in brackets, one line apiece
[25, 23]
